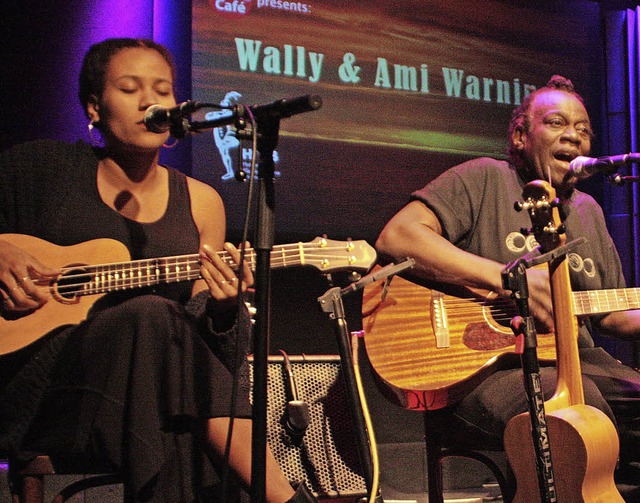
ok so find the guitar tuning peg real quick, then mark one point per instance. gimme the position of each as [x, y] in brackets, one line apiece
[562, 228]
[518, 206]
[524, 231]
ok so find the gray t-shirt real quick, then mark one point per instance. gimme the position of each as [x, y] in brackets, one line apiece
[474, 203]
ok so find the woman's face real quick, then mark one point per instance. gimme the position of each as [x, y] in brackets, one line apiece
[135, 79]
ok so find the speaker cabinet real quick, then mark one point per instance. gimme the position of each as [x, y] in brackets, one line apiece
[325, 456]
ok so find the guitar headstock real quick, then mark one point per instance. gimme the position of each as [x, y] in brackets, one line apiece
[330, 255]
[539, 199]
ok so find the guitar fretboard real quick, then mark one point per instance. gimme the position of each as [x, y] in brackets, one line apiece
[605, 301]
[103, 278]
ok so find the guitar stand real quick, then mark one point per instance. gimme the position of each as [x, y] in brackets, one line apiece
[514, 278]
[331, 302]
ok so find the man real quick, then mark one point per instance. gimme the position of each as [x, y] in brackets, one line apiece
[462, 229]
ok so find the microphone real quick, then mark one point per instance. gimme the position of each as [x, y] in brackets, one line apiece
[287, 107]
[584, 167]
[159, 119]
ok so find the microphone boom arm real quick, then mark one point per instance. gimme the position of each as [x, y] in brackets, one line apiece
[236, 117]
[280, 109]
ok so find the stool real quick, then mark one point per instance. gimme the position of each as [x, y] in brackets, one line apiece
[27, 482]
[440, 445]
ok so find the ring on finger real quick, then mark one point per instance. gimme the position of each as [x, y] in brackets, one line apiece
[223, 282]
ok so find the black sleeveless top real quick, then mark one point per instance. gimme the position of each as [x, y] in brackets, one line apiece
[62, 205]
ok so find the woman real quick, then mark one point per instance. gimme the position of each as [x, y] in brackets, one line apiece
[146, 380]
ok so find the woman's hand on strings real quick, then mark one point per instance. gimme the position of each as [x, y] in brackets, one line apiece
[220, 277]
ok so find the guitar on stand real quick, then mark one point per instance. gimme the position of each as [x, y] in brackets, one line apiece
[583, 440]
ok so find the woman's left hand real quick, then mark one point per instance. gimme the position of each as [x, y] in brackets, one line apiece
[220, 277]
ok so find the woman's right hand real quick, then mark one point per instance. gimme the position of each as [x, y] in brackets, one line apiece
[20, 275]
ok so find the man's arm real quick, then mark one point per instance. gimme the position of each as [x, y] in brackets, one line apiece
[622, 324]
[416, 232]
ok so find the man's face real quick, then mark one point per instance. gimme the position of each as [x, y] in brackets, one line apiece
[559, 132]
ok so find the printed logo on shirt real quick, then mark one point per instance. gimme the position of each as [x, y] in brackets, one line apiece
[517, 242]
[578, 264]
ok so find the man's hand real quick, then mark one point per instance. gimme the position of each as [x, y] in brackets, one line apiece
[540, 303]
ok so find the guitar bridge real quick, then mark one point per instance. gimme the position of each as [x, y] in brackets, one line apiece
[439, 321]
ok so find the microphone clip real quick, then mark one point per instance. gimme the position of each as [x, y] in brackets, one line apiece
[620, 180]
[296, 416]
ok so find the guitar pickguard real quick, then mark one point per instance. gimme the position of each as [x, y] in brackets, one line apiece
[482, 337]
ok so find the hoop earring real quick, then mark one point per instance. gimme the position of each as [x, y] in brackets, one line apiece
[95, 141]
[170, 145]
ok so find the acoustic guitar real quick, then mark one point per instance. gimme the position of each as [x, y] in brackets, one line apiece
[583, 440]
[433, 348]
[81, 284]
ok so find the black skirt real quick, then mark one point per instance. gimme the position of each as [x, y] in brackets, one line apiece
[121, 391]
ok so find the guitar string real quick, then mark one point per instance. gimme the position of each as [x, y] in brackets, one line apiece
[614, 296]
[178, 262]
[292, 251]
[280, 256]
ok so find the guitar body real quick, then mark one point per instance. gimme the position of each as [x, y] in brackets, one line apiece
[433, 349]
[584, 451]
[59, 310]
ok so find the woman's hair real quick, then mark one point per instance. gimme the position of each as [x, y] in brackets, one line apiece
[520, 115]
[97, 58]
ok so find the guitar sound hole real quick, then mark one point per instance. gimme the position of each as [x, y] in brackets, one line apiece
[495, 333]
[499, 312]
[72, 283]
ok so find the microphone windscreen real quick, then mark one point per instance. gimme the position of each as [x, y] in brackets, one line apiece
[156, 119]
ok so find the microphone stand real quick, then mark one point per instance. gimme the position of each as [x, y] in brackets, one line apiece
[619, 179]
[514, 278]
[267, 124]
[267, 128]
[331, 302]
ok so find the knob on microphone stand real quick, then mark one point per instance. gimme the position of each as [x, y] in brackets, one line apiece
[618, 179]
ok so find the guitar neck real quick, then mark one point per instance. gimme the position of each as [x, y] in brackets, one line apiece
[105, 278]
[569, 390]
[606, 301]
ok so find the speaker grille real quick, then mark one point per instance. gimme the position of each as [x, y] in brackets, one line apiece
[326, 458]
